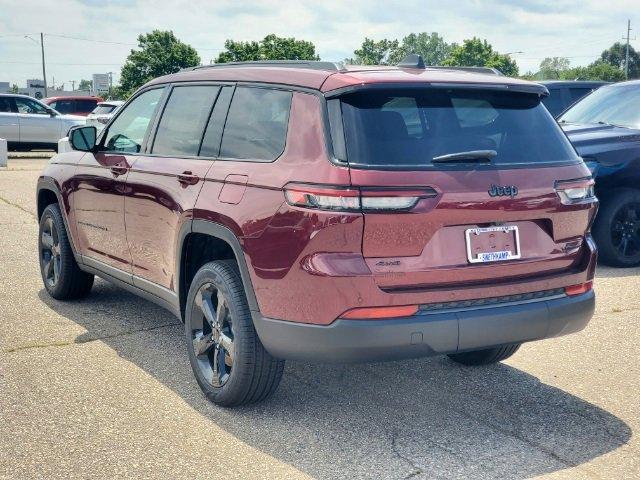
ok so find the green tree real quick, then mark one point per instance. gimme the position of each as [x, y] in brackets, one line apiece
[271, 47]
[616, 57]
[15, 88]
[85, 85]
[160, 53]
[553, 67]
[479, 53]
[375, 53]
[598, 70]
[430, 46]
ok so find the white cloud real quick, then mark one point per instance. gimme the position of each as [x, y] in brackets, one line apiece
[539, 28]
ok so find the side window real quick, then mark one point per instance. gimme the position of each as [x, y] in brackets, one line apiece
[5, 105]
[576, 94]
[84, 105]
[26, 105]
[256, 126]
[182, 124]
[554, 102]
[212, 136]
[127, 132]
[64, 106]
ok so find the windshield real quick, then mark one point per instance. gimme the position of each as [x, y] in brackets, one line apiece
[411, 127]
[614, 105]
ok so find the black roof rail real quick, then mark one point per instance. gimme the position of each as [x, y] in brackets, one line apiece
[309, 64]
[415, 61]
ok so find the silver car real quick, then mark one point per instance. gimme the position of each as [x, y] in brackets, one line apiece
[27, 123]
[103, 112]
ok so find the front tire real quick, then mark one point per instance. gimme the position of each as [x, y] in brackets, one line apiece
[486, 356]
[228, 360]
[617, 229]
[61, 275]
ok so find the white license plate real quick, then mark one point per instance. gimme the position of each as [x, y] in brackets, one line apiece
[493, 244]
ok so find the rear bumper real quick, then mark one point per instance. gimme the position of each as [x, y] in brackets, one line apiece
[424, 334]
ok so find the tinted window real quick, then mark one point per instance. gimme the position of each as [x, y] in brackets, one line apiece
[5, 104]
[256, 126]
[183, 120]
[554, 102]
[63, 106]
[85, 106]
[211, 141]
[615, 105]
[516, 126]
[576, 94]
[128, 130]
[26, 105]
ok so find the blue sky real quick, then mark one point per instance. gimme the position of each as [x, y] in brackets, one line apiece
[538, 28]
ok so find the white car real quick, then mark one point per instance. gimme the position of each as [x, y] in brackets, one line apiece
[103, 112]
[27, 123]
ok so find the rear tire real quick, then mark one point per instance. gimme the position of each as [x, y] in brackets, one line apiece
[486, 356]
[228, 360]
[617, 229]
[61, 275]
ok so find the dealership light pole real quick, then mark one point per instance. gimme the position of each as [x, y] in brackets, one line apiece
[44, 72]
[626, 61]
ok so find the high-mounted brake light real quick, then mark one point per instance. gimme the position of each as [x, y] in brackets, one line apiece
[355, 199]
[576, 191]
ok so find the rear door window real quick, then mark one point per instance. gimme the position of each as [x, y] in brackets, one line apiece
[256, 126]
[437, 122]
[183, 121]
[85, 105]
[576, 94]
[63, 106]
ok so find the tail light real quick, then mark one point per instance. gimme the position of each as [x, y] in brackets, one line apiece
[576, 191]
[355, 199]
[578, 289]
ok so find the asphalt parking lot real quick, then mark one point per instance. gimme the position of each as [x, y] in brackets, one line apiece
[102, 388]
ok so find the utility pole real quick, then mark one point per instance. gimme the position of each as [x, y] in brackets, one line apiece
[73, 85]
[44, 72]
[626, 61]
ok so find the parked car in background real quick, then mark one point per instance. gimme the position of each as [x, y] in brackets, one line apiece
[103, 112]
[605, 130]
[564, 93]
[308, 211]
[73, 105]
[27, 123]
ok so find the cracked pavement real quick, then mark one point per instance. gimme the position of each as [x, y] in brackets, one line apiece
[101, 388]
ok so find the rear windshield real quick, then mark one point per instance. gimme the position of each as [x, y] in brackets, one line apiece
[408, 128]
[103, 109]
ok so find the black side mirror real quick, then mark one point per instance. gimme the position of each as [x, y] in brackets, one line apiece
[83, 138]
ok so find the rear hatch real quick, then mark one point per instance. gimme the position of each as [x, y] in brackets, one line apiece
[476, 175]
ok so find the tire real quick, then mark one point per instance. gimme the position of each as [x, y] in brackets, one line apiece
[486, 356]
[228, 360]
[60, 273]
[618, 224]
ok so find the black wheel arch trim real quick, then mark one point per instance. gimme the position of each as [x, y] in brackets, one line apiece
[49, 184]
[221, 232]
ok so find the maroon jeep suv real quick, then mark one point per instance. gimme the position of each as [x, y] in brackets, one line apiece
[311, 211]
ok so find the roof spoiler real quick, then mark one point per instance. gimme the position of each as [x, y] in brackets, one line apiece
[414, 60]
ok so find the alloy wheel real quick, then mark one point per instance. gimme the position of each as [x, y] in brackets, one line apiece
[50, 253]
[212, 335]
[625, 230]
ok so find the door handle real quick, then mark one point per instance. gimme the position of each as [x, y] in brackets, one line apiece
[118, 170]
[188, 178]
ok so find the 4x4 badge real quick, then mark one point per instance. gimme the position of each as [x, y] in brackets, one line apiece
[506, 191]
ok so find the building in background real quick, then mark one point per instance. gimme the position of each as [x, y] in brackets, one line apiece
[101, 83]
[5, 87]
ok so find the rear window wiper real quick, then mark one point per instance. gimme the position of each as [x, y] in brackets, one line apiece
[470, 156]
